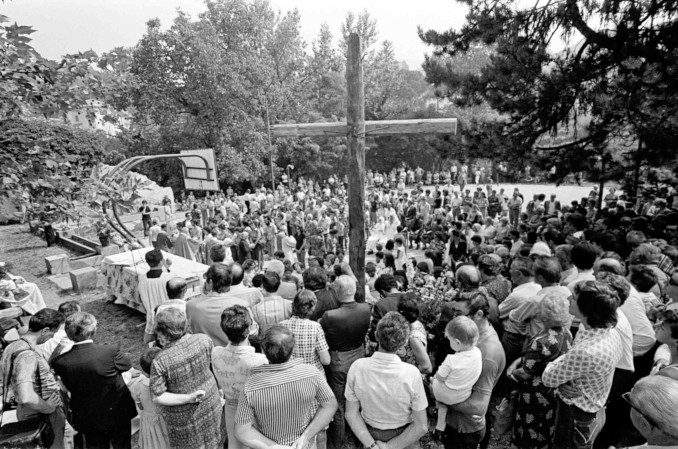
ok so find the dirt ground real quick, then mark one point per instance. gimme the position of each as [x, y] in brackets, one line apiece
[25, 255]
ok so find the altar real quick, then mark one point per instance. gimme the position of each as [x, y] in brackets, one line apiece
[122, 273]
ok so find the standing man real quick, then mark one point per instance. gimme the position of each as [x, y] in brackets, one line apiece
[152, 289]
[154, 231]
[385, 397]
[466, 421]
[27, 374]
[203, 313]
[100, 401]
[514, 206]
[286, 402]
[345, 329]
[145, 211]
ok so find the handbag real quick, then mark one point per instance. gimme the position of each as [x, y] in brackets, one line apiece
[27, 433]
[505, 414]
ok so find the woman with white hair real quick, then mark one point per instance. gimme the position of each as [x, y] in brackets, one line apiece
[654, 411]
[535, 410]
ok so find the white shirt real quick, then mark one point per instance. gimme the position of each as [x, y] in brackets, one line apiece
[624, 328]
[153, 292]
[47, 348]
[154, 231]
[517, 296]
[586, 275]
[388, 390]
[462, 369]
[250, 294]
[643, 332]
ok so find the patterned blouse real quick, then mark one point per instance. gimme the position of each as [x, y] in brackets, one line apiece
[589, 365]
[309, 340]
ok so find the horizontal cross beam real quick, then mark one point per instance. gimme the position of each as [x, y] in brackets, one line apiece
[373, 128]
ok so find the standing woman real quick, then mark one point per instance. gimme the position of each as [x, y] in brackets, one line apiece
[536, 408]
[167, 210]
[310, 344]
[234, 363]
[182, 382]
[258, 236]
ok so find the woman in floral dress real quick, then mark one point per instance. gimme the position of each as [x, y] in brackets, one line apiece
[535, 411]
[183, 384]
[414, 352]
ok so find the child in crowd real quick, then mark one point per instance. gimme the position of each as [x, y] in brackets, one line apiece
[456, 376]
[152, 427]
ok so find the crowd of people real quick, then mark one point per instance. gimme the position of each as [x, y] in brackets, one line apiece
[481, 312]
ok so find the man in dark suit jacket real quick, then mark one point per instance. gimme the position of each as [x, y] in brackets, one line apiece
[458, 248]
[345, 328]
[552, 206]
[387, 287]
[100, 401]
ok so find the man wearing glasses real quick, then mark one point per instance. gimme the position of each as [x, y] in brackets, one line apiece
[654, 411]
[583, 376]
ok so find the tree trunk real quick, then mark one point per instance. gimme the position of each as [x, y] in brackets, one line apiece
[601, 186]
[636, 173]
[355, 137]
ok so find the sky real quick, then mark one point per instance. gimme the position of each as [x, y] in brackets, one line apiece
[69, 26]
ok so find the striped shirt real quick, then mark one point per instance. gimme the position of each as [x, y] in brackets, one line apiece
[271, 311]
[588, 366]
[280, 400]
[309, 340]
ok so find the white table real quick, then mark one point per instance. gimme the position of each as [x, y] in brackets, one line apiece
[122, 275]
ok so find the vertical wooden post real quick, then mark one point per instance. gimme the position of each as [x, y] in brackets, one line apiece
[355, 137]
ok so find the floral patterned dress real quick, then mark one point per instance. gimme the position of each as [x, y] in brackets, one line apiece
[535, 411]
[418, 332]
[183, 367]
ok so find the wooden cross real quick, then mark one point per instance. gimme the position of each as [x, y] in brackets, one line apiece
[355, 129]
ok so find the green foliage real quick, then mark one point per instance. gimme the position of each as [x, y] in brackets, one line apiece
[208, 83]
[45, 161]
[618, 74]
[31, 84]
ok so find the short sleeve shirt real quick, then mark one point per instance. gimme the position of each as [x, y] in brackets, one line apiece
[280, 400]
[388, 390]
[27, 366]
[494, 362]
[309, 340]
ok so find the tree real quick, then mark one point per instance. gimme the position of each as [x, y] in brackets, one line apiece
[364, 25]
[43, 164]
[619, 75]
[210, 83]
[327, 85]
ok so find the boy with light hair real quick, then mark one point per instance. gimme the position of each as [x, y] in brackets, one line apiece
[460, 371]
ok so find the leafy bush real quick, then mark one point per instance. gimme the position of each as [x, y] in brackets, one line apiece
[45, 163]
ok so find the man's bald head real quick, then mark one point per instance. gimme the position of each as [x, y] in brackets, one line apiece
[237, 274]
[468, 277]
[278, 344]
[176, 288]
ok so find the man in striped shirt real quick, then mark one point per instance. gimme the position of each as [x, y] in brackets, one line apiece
[286, 402]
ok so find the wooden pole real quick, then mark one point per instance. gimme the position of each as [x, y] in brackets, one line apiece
[374, 128]
[270, 145]
[355, 137]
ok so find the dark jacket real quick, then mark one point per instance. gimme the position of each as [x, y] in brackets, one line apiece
[388, 303]
[100, 400]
